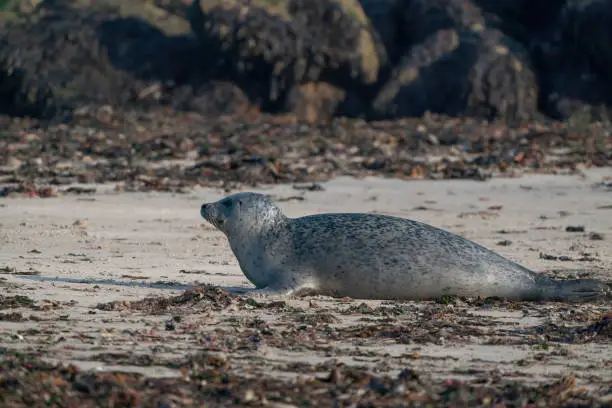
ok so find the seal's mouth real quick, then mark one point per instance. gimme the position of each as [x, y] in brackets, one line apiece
[208, 212]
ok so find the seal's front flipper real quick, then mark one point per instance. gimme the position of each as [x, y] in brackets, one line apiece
[281, 290]
[265, 292]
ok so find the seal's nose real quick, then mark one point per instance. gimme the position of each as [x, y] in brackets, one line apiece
[204, 210]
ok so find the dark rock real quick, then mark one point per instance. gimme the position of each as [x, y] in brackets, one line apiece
[521, 19]
[483, 74]
[383, 17]
[270, 48]
[587, 30]
[212, 98]
[575, 67]
[491, 59]
[574, 94]
[420, 19]
[66, 58]
[176, 7]
[314, 102]
[22, 94]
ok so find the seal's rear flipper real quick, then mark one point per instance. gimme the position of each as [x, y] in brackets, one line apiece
[576, 290]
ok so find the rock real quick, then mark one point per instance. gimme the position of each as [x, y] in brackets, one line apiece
[574, 94]
[269, 48]
[483, 74]
[158, 13]
[575, 69]
[70, 57]
[587, 31]
[50, 65]
[420, 19]
[13, 9]
[314, 102]
[211, 99]
[176, 7]
[521, 19]
[22, 94]
[596, 236]
[382, 16]
[12, 164]
[402, 24]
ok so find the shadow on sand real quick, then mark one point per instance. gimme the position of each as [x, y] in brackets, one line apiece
[171, 285]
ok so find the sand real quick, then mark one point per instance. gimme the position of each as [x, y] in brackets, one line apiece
[72, 253]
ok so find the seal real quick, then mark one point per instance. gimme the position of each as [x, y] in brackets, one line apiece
[372, 256]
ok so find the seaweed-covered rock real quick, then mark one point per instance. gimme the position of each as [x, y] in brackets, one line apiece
[21, 94]
[11, 9]
[211, 99]
[65, 57]
[402, 24]
[383, 17]
[314, 102]
[587, 31]
[269, 47]
[575, 70]
[522, 19]
[575, 95]
[55, 62]
[419, 19]
[176, 7]
[483, 74]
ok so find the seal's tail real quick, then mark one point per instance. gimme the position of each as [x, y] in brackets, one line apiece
[575, 290]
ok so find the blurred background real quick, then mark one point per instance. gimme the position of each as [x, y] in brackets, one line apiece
[97, 90]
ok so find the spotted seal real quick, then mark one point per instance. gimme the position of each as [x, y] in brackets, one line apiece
[372, 256]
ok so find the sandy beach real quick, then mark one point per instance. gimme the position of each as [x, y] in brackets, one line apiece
[68, 255]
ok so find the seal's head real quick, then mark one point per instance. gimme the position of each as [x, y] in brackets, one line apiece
[242, 213]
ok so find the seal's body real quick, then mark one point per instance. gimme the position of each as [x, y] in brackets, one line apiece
[372, 256]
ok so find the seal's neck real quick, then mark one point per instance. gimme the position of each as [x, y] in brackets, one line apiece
[253, 245]
[255, 224]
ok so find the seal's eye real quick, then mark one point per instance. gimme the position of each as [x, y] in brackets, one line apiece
[227, 203]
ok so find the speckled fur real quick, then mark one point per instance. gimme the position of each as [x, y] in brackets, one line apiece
[372, 256]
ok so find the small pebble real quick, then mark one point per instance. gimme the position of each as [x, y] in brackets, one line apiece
[596, 236]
